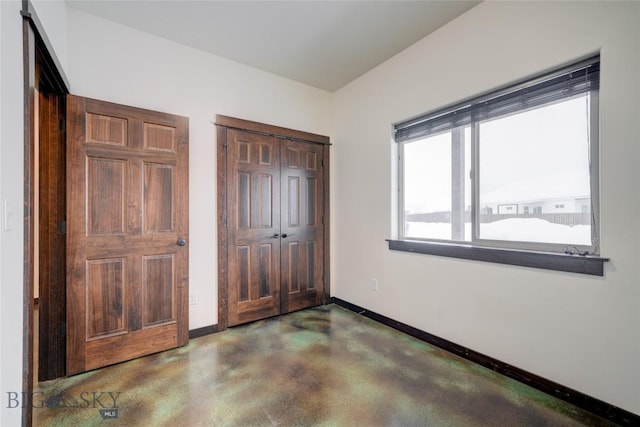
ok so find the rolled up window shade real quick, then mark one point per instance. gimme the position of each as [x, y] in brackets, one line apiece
[570, 81]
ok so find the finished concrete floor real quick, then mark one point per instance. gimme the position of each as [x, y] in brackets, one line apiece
[324, 366]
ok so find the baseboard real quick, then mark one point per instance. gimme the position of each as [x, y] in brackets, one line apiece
[200, 332]
[581, 400]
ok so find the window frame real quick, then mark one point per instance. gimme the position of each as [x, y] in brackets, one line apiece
[496, 250]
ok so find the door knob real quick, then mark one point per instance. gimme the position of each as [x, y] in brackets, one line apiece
[181, 242]
[285, 235]
[275, 236]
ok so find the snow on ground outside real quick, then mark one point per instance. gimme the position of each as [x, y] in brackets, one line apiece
[513, 229]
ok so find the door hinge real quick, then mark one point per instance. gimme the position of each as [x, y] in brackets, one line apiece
[62, 329]
[322, 162]
[322, 220]
[62, 227]
[63, 125]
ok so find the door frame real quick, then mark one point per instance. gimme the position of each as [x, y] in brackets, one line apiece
[223, 123]
[51, 234]
[39, 64]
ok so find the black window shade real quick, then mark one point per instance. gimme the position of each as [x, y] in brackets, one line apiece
[567, 82]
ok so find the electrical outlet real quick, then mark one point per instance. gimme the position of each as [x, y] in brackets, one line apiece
[193, 298]
[373, 284]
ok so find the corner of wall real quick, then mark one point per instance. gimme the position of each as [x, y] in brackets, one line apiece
[11, 233]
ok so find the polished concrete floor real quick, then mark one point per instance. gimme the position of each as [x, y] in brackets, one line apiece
[324, 366]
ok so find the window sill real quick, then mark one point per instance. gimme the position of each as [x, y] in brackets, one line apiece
[589, 264]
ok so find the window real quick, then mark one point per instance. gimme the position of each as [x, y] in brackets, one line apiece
[514, 169]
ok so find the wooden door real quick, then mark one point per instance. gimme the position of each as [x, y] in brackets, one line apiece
[253, 164]
[127, 189]
[302, 231]
[273, 211]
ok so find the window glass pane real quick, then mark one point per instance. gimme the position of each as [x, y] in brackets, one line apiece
[534, 183]
[437, 189]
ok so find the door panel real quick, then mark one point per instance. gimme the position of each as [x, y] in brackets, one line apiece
[253, 165]
[158, 289]
[127, 207]
[302, 230]
[158, 198]
[106, 192]
[105, 297]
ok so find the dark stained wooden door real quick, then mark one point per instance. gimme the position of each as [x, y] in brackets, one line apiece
[275, 249]
[253, 164]
[302, 231]
[127, 187]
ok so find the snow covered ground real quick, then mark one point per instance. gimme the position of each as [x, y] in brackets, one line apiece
[513, 229]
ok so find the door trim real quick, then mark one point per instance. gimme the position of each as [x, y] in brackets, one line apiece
[51, 235]
[223, 123]
[277, 131]
[36, 48]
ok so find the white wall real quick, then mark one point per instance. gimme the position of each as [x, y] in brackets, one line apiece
[577, 330]
[11, 179]
[118, 64]
[53, 17]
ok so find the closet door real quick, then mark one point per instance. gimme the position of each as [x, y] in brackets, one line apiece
[302, 231]
[273, 217]
[253, 198]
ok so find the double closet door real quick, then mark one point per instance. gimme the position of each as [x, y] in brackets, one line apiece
[272, 223]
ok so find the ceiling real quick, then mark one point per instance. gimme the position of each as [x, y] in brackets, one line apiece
[325, 44]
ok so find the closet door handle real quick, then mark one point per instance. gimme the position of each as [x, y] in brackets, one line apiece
[285, 235]
[275, 236]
